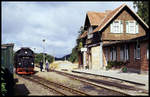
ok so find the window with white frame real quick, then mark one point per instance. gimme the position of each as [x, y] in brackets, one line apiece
[132, 27]
[124, 52]
[137, 50]
[116, 26]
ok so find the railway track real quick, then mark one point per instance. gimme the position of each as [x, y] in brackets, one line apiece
[57, 87]
[108, 83]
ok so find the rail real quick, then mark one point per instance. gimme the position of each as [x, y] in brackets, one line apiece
[57, 87]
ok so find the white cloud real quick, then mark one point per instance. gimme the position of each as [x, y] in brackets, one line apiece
[28, 23]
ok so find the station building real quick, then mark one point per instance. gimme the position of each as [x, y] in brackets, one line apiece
[115, 35]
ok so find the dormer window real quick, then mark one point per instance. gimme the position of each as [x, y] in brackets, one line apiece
[116, 27]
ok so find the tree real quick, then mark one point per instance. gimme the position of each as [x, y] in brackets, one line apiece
[80, 41]
[142, 9]
[79, 44]
[74, 55]
[49, 58]
[39, 57]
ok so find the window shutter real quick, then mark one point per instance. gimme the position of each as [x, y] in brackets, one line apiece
[121, 26]
[111, 27]
[127, 27]
[137, 28]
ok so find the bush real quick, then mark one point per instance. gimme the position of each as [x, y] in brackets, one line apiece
[108, 67]
[124, 69]
[3, 89]
[39, 57]
[114, 64]
[3, 84]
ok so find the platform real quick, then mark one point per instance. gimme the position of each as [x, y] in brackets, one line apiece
[140, 79]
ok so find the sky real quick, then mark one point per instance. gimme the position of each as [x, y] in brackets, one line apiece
[26, 24]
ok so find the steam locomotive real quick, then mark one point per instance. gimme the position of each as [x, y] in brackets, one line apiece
[24, 61]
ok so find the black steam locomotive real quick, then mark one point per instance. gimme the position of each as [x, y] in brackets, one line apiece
[24, 61]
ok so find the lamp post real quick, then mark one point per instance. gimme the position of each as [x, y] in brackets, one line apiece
[43, 53]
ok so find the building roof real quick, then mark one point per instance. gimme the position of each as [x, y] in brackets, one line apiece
[112, 14]
[6, 45]
[95, 17]
[142, 38]
[108, 18]
[102, 19]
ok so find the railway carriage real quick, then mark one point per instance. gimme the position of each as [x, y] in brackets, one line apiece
[24, 61]
[7, 66]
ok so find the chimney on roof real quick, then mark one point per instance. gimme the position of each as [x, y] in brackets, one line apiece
[107, 11]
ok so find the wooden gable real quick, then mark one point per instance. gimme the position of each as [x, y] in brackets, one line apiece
[115, 13]
[124, 15]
